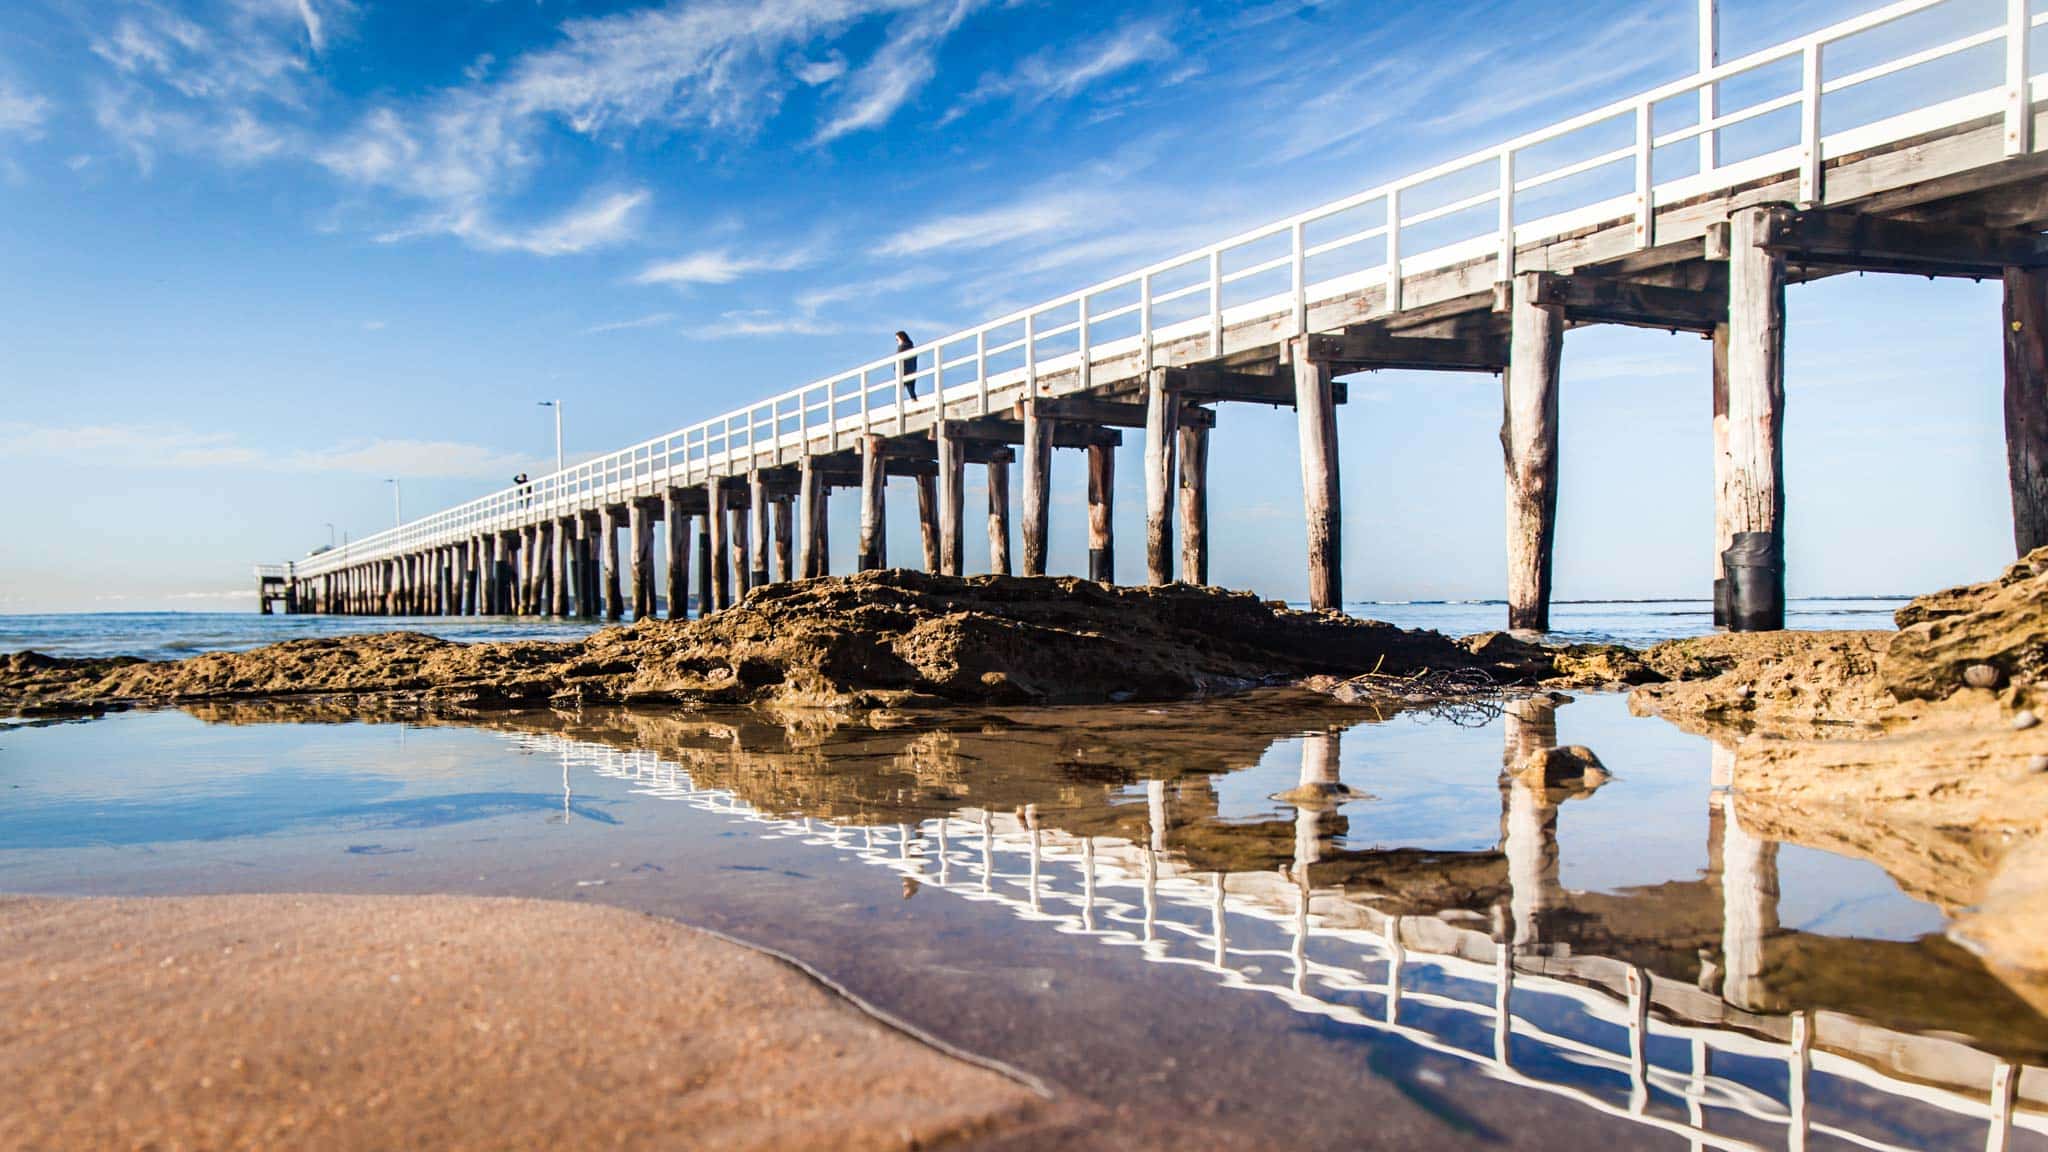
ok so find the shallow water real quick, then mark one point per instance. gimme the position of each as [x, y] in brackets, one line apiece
[1114, 900]
[171, 635]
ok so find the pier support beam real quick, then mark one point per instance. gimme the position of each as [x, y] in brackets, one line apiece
[565, 547]
[1721, 529]
[928, 520]
[586, 569]
[785, 516]
[1101, 510]
[676, 526]
[705, 577]
[874, 505]
[952, 485]
[718, 562]
[742, 551]
[608, 561]
[1193, 450]
[1528, 441]
[494, 576]
[642, 535]
[1315, 411]
[999, 512]
[1753, 500]
[2026, 404]
[815, 544]
[1038, 434]
[1162, 419]
[758, 529]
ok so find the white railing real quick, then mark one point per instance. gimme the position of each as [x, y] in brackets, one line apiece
[1417, 981]
[1528, 189]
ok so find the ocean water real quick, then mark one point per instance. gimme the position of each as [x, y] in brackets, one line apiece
[172, 635]
[1122, 902]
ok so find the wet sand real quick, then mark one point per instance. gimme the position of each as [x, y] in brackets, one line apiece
[385, 1022]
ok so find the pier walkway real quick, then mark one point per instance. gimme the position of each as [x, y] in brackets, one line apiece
[1885, 143]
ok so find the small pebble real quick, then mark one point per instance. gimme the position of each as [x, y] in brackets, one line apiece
[2024, 720]
[1981, 676]
[2038, 763]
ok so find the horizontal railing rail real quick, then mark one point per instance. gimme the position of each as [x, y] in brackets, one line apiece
[1500, 195]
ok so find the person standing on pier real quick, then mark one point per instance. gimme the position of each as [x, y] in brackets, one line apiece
[907, 366]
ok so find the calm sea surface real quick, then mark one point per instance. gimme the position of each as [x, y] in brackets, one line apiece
[169, 635]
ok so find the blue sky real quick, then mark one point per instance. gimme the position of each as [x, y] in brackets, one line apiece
[258, 255]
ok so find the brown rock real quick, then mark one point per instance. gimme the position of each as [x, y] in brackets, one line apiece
[1562, 767]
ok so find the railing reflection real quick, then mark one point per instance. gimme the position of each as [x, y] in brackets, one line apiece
[1573, 1025]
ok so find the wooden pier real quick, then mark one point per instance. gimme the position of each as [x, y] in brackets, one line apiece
[1669, 233]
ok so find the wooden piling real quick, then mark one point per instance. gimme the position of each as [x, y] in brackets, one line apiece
[704, 570]
[1315, 412]
[1754, 500]
[1038, 434]
[1162, 418]
[719, 561]
[1528, 440]
[1101, 513]
[2026, 404]
[952, 483]
[928, 520]
[586, 569]
[999, 512]
[758, 528]
[874, 505]
[784, 532]
[1193, 450]
[608, 561]
[641, 533]
[676, 526]
[1722, 533]
[814, 544]
[565, 546]
[742, 551]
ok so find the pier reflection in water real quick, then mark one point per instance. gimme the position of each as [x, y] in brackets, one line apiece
[1349, 873]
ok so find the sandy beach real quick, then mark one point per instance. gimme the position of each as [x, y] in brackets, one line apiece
[388, 1022]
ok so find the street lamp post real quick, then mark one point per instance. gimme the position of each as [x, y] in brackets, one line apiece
[557, 406]
[397, 509]
[330, 537]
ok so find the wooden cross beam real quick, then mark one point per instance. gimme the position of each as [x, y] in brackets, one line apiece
[1607, 300]
[1205, 383]
[1070, 430]
[1103, 414]
[1862, 242]
[1366, 348]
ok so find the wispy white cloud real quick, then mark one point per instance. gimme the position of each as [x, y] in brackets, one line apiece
[173, 446]
[763, 322]
[1033, 215]
[720, 266]
[21, 113]
[902, 66]
[1062, 74]
[599, 222]
[651, 320]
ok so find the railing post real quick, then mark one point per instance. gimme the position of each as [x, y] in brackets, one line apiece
[1646, 207]
[1215, 303]
[1710, 107]
[1504, 263]
[1394, 250]
[2019, 71]
[1299, 267]
[1809, 127]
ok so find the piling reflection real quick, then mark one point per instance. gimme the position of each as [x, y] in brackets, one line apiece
[1686, 1005]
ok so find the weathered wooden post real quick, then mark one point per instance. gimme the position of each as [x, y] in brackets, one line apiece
[1315, 412]
[565, 545]
[1528, 440]
[2026, 404]
[544, 566]
[720, 559]
[874, 507]
[1101, 507]
[608, 560]
[1754, 500]
[1722, 532]
[642, 535]
[1038, 434]
[1193, 450]
[1162, 418]
[742, 549]
[928, 520]
[705, 576]
[784, 531]
[814, 552]
[999, 512]
[586, 575]
[952, 480]
[676, 523]
[758, 531]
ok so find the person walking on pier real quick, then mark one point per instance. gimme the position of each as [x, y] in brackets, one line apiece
[907, 365]
[525, 490]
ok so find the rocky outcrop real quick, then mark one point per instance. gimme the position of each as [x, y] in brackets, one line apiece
[874, 639]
